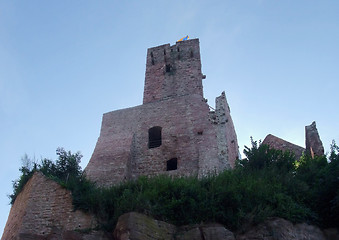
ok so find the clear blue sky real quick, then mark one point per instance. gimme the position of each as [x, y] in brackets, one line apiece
[65, 63]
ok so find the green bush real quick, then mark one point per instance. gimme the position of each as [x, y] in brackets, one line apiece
[66, 171]
[268, 183]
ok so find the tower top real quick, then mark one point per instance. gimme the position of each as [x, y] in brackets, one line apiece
[173, 71]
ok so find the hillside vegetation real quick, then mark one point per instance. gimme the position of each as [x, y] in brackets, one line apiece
[268, 183]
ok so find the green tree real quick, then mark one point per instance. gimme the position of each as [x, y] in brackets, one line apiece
[66, 171]
[261, 156]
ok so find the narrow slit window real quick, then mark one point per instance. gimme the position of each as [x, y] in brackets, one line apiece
[168, 67]
[154, 137]
[172, 164]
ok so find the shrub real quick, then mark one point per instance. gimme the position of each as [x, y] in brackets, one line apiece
[268, 183]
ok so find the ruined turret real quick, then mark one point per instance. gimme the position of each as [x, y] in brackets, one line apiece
[314, 146]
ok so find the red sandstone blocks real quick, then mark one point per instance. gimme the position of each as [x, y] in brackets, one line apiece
[191, 142]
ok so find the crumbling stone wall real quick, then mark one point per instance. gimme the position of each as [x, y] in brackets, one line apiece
[227, 138]
[281, 144]
[314, 146]
[196, 140]
[42, 208]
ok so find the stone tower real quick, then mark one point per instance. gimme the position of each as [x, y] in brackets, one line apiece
[173, 71]
[173, 132]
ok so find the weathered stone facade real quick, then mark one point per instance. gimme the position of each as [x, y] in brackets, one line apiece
[42, 210]
[281, 229]
[173, 132]
[281, 144]
[135, 226]
[314, 146]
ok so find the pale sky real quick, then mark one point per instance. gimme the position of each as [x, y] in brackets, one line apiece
[65, 63]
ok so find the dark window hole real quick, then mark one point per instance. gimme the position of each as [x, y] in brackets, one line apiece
[168, 67]
[154, 137]
[172, 164]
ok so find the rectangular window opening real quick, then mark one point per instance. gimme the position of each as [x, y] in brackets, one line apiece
[172, 164]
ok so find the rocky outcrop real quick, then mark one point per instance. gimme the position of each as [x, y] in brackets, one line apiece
[280, 144]
[280, 229]
[132, 226]
[314, 146]
[44, 210]
[136, 226]
[204, 232]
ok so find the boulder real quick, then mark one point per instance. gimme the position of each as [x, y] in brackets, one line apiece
[280, 229]
[136, 226]
[204, 232]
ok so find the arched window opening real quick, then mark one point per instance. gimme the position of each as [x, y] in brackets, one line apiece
[154, 137]
[172, 164]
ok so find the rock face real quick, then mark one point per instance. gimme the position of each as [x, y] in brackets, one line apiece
[280, 144]
[173, 132]
[132, 226]
[280, 229]
[44, 210]
[135, 226]
[314, 146]
[204, 232]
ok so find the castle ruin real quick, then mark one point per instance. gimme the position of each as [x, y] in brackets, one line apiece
[314, 146]
[173, 132]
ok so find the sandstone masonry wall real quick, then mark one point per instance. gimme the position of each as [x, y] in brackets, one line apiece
[227, 139]
[42, 207]
[192, 139]
[188, 134]
[281, 144]
[173, 71]
[314, 146]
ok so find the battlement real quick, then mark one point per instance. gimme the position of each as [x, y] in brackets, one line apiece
[165, 53]
[173, 71]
